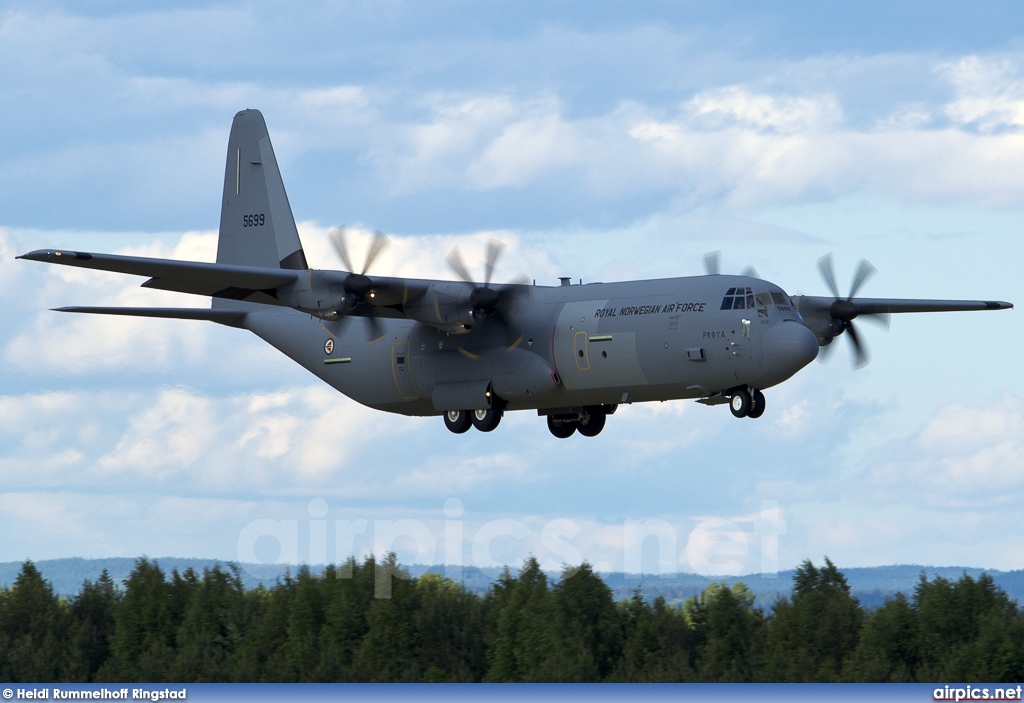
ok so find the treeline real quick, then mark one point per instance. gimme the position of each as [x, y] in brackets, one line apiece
[336, 627]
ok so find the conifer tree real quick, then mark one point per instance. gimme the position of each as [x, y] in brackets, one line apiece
[212, 627]
[525, 643]
[887, 650]
[450, 631]
[811, 635]
[659, 644]
[33, 625]
[347, 593]
[144, 632]
[589, 622]
[387, 652]
[729, 632]
[91, 628]
[961, 628]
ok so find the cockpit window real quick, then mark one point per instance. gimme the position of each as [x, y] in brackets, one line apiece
[763, 299]
[779, 298]
[738, 299]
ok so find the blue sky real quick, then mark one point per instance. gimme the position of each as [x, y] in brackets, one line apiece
[599, 142]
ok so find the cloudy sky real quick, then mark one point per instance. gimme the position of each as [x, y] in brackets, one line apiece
[599, 140]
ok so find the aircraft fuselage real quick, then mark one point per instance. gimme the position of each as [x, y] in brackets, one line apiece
[578, 345]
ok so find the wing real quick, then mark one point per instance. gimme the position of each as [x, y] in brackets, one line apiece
[883, 306]
[215, 280]
[828, 317]
[327, 294]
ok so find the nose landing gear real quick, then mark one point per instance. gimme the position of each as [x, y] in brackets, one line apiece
[747, 402]
[563, 429]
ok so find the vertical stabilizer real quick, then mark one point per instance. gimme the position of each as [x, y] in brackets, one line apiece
[256, 223]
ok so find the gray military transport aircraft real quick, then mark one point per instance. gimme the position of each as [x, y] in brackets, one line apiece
[469, 351]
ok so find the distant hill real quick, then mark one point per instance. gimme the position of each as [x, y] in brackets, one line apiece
[869, 585]
[68, 575]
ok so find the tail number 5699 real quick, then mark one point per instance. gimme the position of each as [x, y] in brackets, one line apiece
[255, 220]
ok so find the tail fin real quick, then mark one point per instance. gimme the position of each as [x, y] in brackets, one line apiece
[256, 223]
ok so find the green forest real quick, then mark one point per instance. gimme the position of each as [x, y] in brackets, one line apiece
[336, 626]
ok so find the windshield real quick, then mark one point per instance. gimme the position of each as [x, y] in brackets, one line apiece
[744, 298]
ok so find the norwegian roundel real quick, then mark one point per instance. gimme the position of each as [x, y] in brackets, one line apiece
[329, 346]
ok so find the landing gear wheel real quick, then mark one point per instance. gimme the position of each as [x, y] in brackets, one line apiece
[457, 421]
[593, 424]
[757, 407]
[562, 429]
[486, 420]
[740, 403]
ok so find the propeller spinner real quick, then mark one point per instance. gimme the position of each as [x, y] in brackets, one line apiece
[487, 302]
[844, 310]
[358, 287]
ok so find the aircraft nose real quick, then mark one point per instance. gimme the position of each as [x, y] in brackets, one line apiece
[787, 347]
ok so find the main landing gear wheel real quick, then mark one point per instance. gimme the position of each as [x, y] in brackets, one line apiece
[740, 403]
[757, 407]
[562, 429]
[486, 420]
[457, 421]
[591, 422]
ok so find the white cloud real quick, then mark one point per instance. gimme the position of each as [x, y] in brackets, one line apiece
[748, 147]
[522, 151]
[447, 475]
[424, 256]
[964, 457]
[975, 452]
[989, 93]
[735, 105]
[171, 435]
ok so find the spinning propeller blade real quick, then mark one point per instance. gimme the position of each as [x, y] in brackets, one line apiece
[713, 265]
[844, 310]
[487, 301]
[358, 287]
[712, 262]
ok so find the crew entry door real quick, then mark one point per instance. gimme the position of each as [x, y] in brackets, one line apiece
[582, 352]
[400, 368]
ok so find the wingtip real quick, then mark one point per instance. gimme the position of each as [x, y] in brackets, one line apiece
[55, 255]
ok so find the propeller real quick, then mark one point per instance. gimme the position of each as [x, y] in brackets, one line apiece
[487, 302]
[844, 310]
[712, 262]
[712, 265]
[358, 287]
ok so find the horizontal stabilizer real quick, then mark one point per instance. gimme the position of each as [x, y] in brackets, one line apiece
[233, 318]
[199, 278]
